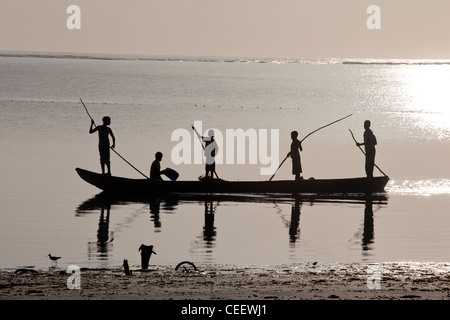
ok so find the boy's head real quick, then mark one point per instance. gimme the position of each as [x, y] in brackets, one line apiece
[158, 156]
[106, 120]
[367, 124]
[294, 134]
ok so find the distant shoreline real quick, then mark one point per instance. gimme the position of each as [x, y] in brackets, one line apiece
[263, 60]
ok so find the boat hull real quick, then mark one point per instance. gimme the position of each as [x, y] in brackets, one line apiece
[145, 186]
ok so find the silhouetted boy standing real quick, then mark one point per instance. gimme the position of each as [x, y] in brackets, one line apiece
[296, 145]
[370, 141]
[103, 142]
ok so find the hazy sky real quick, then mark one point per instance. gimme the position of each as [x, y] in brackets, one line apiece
[248, 28]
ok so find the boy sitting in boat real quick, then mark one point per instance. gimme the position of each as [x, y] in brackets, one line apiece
[155, 169]
[103, 142]
[156, 172]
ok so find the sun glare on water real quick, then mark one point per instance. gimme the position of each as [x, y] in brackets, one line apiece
[427, 94]
[430, 187]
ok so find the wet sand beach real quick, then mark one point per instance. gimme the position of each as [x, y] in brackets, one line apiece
[309, 281]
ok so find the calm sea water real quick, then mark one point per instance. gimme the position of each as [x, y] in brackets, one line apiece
[46, 208]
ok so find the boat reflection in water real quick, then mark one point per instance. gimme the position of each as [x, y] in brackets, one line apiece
[206, 241]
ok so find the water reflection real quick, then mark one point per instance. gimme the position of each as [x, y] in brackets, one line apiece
[204, 244]
[103, 236]
[209, 230]
[103, 245]
[155, 204]
[294, 226]
[368, 231]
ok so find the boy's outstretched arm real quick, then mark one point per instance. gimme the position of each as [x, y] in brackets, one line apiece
[92, 129]
[198, 134]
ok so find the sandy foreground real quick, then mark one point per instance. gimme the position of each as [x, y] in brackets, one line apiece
[309, 281]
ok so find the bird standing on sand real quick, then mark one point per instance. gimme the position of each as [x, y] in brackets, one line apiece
[54, 259]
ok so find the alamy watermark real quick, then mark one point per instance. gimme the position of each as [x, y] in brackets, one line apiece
[73, 22]
[374, 277]
[373, 22]
[74, 281]
[235, 146]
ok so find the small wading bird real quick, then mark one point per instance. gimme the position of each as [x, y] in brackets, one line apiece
[54, 259]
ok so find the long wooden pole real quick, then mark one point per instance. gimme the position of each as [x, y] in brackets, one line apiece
[198, 136]
[364, 152]
[329, 124]
[326, 126]
[278, 168]
[110, 146]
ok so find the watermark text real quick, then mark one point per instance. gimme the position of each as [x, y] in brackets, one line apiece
[236, 146]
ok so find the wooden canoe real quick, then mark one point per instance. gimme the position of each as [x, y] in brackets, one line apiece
[318, 186]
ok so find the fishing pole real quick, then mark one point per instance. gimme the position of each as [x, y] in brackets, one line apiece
[110, 146]
[329, 124]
